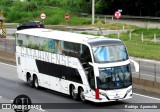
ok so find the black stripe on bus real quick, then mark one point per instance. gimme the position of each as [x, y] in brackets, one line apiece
[59, 71]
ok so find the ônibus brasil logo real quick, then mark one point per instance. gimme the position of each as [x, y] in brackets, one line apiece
[21, 103]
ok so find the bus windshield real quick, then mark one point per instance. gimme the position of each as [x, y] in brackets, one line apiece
[114, 77]
[109, 53]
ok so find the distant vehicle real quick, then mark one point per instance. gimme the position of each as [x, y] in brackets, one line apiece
[30, 24]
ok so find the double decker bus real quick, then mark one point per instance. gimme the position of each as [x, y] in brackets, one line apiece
[86, 67]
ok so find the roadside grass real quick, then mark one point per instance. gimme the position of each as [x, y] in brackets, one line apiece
[146, 49]
[143, 50]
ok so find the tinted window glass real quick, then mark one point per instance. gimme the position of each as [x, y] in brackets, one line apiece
[85, 55]
[71, 49]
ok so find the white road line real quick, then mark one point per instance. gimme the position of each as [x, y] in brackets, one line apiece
[146, 96]
[8, 64]
[41, 110]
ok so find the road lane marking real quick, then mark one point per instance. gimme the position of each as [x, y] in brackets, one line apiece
[8, 64]
[146, 96]
[41, 110]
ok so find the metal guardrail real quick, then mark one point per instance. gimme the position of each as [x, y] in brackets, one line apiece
[123, 16]
[131, 17]
[148, 70]
[7, 45]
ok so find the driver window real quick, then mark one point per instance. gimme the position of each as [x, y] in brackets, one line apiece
[91, 78]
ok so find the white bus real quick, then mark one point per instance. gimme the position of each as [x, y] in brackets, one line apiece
[85, 67]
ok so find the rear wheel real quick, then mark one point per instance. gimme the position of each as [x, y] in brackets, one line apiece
[36, 84]
[81, 95]
[29, 80]
[73, 93]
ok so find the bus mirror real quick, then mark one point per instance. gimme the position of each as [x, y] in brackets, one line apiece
[96, 71]
[136, 65]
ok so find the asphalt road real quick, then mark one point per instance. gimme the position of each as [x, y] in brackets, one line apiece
[11, 87]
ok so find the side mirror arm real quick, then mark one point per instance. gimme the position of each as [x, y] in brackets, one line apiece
[136, 65]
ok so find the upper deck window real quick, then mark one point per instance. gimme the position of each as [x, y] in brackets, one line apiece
[109, 53]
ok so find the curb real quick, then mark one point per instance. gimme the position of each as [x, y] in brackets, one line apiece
[146, 85]
[10, 57]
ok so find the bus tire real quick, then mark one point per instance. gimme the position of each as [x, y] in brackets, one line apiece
[81, 94]
[36, 84]
[29, 80]
[74, 95]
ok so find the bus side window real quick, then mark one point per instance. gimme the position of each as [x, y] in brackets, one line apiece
[91, 78]
[85, 56]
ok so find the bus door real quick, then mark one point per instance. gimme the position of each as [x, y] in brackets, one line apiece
[46, 81]
[21, 73]
[63, 83]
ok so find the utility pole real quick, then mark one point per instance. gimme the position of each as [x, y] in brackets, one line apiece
[93, 10]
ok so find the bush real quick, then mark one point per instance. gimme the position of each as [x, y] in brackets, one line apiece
[31, 10]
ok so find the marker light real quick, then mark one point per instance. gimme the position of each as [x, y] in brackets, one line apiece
[97, 93]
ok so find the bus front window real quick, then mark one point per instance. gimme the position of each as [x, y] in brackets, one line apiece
[110, 53]
[114, 77]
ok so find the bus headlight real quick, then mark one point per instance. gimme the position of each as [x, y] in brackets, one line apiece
[102, 93]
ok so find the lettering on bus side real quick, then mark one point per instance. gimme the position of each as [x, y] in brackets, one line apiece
[49, 57]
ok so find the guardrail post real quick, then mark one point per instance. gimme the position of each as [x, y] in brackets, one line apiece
[139, 69]
[142, 36]
[155, 40]
[105, 20]
[14, 45]
[5, 44]
[100, 30]
[118, 33]
[98, 18]
[155, 71]
[130, 36]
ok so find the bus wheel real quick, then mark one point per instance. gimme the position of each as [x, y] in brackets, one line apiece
[81, 95]
[73, 93]
[29, 80]
[36, 84]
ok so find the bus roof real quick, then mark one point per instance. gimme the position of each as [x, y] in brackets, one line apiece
[66, 36]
